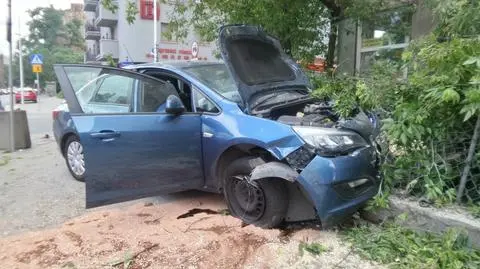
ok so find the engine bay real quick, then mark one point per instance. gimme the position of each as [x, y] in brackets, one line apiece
[319, 114]
[322, 114]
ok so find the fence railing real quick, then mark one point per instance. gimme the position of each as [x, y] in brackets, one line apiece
[91, 28]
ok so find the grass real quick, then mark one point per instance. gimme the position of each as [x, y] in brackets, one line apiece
[312, 248]
[400, 247]
[474, 209]
[4, 160]
[126, 262]
[70, 265]
[224, 212]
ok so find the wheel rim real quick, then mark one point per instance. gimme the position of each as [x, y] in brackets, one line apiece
[249, 198]
[75, 158]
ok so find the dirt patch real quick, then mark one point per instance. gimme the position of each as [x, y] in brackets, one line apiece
[45, 252]
[76, 239]
[153, 237]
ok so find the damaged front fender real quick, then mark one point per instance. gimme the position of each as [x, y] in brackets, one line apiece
[274, 169]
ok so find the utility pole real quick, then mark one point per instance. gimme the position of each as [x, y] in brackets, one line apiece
[38, 84]
[20, 55]
[10, 79]
[155, 31]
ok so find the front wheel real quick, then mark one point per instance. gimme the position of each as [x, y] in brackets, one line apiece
[262, 202]
[73, 152]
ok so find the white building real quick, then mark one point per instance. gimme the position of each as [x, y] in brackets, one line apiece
[108, 33]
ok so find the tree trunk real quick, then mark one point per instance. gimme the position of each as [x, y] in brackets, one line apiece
[332, 41]
[287, 47]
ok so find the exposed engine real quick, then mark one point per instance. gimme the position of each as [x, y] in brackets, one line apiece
[322, 114]
[317, 114]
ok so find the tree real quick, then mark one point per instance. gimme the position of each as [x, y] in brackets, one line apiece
[73, 34]
[299, 25]
[302, 26]
[57, 41]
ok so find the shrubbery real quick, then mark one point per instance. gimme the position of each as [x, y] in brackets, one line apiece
[429, 116]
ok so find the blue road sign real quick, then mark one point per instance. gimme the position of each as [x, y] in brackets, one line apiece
[36, 59]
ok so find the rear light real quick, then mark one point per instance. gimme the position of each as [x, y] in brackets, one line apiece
[55, 114]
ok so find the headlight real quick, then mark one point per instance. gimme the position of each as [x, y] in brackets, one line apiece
[330, 140]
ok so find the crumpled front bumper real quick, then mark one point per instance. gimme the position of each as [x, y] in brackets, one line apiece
[325, 179]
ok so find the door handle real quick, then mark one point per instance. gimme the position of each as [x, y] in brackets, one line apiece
[105, 134]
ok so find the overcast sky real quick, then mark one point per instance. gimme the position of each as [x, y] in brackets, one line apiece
[19, 8]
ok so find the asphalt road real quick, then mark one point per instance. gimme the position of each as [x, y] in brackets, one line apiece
[40, 114]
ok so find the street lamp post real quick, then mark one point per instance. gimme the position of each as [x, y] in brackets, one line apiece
[20, 56]
[10, 82]
[155, 30]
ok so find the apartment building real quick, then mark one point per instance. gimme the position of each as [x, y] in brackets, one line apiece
[75, 12]
[108, 33]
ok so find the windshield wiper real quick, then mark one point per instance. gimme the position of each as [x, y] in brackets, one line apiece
[264, 100]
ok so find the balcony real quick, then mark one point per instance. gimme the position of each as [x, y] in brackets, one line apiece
[92, 32]
[107, 47]
[104, 17]
[90, 5]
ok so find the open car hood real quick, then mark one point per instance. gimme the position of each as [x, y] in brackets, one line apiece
[257, 62]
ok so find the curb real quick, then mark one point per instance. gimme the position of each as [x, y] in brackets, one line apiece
[429, 219]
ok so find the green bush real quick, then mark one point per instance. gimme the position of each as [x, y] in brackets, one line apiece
[428, 116]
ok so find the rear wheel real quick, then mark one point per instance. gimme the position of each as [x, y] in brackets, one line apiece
[73, 152]
[262, 202]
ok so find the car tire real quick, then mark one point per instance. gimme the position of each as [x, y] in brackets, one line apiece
[263, 202]
[72, 158]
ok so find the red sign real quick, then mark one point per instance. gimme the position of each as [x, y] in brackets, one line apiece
[169, 51]
[146, 9]
[186, 52]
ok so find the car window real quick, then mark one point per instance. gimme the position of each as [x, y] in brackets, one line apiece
[153, 95]
[182, 87]
[114, 90]
[202, 103]
[217, 78]
[103, 90]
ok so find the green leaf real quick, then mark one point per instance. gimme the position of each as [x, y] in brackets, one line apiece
[472, 60]
[450, 95]
[403, 138]
[468, 115]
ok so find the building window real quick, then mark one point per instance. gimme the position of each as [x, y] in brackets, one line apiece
[385, 36]
[146, 9]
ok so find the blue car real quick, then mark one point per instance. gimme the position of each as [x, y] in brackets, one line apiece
[246, 127]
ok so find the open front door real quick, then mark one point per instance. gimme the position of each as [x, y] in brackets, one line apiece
[131, 148]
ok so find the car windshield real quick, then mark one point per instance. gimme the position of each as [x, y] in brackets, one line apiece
[217, 78]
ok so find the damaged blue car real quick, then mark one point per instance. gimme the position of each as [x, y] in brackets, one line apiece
[246, 127]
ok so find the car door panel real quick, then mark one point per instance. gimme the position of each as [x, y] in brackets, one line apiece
[135, 155]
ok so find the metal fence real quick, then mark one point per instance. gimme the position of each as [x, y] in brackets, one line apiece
[440, 169]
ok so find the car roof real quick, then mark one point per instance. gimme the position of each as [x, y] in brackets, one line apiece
[172, 64]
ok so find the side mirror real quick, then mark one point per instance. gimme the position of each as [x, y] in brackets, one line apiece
[174, 105]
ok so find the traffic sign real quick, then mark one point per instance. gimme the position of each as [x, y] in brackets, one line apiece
[194, 49]
[37, 68]
[36, 59]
